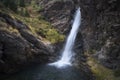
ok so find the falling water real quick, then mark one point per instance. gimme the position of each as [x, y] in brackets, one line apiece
[68, 53]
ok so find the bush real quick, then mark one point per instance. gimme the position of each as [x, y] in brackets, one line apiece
[117, 73]
[54, 36]
[10, 4]
[22, 3]
[13, 4]
[26, 13]
[23, 12]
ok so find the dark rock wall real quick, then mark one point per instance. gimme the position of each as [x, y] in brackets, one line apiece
[98, 35]
[20, 49]
[58, 13]
[101, 29]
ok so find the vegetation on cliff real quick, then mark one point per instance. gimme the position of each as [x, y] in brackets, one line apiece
[28, 13]
[25, 36]
[41, 22]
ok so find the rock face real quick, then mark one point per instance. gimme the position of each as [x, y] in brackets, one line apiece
[61, 15]
[98, 35]
[101, 29]
[58, 13]
[19, 48]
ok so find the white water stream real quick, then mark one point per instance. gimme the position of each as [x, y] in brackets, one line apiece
[68, 53]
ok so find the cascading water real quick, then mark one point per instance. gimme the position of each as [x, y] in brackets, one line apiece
[67, 53]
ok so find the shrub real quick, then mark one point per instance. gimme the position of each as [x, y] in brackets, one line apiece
[22, 3]
[13, 4]
[54, 36]
[117, 73]
[23, 12]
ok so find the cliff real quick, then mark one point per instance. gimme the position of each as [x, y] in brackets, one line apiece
[97, 46]
[23, 39]
[100, 30]
[98, 37]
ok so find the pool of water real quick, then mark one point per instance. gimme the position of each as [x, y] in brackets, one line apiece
[49, 73]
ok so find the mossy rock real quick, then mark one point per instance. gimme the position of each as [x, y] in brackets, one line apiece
[117, 73]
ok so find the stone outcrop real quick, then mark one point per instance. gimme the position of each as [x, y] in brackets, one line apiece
[100, 30]
[20, 48]
[58, 13]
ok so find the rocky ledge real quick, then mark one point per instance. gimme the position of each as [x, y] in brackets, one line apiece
[18, 46]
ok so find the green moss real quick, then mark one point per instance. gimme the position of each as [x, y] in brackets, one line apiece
[42, 28]
[54, 36]
[39, 27]
[8, 28]
[23, 12]
[91, 51]
[101, 72]
[117, 73]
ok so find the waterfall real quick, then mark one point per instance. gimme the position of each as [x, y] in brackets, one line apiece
[68, 53]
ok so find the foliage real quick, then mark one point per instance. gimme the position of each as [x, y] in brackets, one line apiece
[23, 12]
[13, 4]
[101, 72]
[92, 51]
[28, 14]
[8, 28]
[22, 3]
[42, 28]
[54, 36]
[117, 73]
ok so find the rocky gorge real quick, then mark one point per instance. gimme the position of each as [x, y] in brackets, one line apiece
[20, 46]
[98, 36]
[99, 32]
